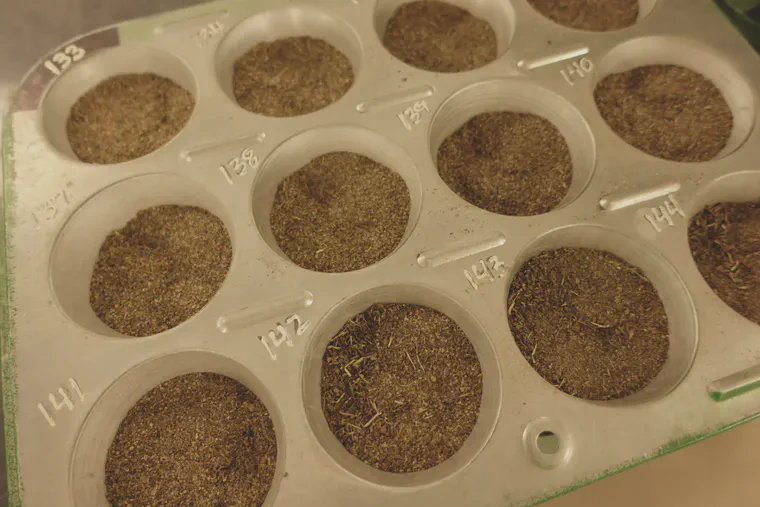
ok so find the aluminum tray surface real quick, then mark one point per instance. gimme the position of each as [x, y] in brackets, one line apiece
[68, 380]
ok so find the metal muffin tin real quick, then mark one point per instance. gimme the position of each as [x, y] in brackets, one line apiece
[68, 380]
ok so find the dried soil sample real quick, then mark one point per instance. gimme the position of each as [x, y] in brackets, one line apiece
[667, 111]
[160, 269]
[507, 163]
[291, 77]
[127, 116]
[593, 15]
[725, 242]
[401, 387]
[439, 37]
[197, 439]
[340, 212]
[588, 322]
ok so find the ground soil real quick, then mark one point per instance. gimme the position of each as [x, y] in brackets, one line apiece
[439, 37]
[593, 15]
[725, 242]
[340, 212]
[197, 439]
[401, 387]
[667, 111]
[127, 116]
[160, 269]
[291, 77]
[588, 322]
[507, 163]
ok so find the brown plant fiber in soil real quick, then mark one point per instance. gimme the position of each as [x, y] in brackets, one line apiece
[197, 439]
[160, 269]
[127, 116]
[507, 163]
[593, 15]
[666, 111]
[340, 212]
[725, 242]
[291, 77]
[401, 387]
[588, 322]
[439, 37]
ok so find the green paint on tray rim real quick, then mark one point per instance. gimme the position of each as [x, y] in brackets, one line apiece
[672, 446]
[7, 315]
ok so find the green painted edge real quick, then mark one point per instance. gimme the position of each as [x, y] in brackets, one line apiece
[7, 314]
[672, 446]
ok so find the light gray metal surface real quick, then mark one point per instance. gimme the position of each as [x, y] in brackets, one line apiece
[76, 378]
[30, 29]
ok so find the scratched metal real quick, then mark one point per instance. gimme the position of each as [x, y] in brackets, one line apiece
[75, 379]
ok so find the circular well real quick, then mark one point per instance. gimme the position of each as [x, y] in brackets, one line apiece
[87, 476]
[693, 55]
[76, 248]
[734, 188]
[741, 186]
[298, 151]
[279, 24]
[97, 67]
[645, 8]
[490, 404]
[520, 96]
[679, 307]
[499, 14]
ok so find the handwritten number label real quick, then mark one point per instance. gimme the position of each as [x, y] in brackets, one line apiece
[577, 70]
[62, 60]
[485, 271]
[59, 400]
[280, 334]
[239, 166]
[50, 209]
[207, 33]
[665, 213]
[413, 114]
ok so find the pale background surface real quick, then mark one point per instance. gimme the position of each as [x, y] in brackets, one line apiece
[722, 471]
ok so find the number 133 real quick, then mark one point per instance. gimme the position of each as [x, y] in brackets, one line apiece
[62, 60]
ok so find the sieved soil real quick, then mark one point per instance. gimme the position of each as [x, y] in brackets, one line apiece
[439, 37]
[507, 163]
[127, 116]
[725, 242]
[160, 269]
[667, 111]
[340, 212]
[401, 387]
[291, 77]
[197, 439]
[588, 322]
[593, 15]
